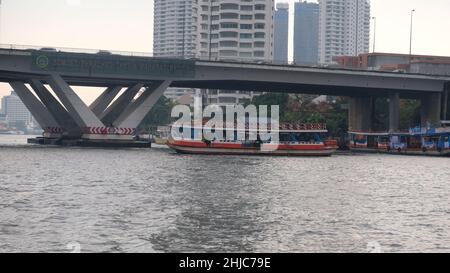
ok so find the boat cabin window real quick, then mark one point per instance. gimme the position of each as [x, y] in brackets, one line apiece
[360, 139]
[414, 142]
[372, 141]
[383, 139]
[431, 139]
[300, 137]
[398, 139]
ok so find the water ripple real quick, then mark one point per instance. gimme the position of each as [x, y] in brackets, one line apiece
[157, 201]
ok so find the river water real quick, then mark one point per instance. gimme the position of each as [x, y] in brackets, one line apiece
[100, 200]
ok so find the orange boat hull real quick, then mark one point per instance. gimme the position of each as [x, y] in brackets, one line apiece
[224, 148]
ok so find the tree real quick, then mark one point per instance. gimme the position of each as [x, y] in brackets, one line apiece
[160, 114]
[409, 114]
[301, 108]
[380, 120]
[270, 99]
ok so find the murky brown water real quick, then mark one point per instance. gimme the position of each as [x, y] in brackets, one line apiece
[157, 201]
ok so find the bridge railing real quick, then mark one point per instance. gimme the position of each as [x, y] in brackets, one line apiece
[149, 54]
[193, 57]
[75, 50]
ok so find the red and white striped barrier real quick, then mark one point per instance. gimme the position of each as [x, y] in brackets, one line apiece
[110, 131]
[54, 130]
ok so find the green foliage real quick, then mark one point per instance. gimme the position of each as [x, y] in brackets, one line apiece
[281, 100]
[159, 115]
[337, 118]
[409, 114]
[300, 108]
[381, 114]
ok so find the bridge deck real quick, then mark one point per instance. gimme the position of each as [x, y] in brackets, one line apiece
[106, 70]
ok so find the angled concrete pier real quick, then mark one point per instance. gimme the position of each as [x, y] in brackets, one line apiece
[120, 105]
[104, 100]
[108, 122]
[77, 109]
[60, 114]
[136, 112]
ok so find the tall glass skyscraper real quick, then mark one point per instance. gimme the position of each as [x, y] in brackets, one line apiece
[281, 33]
[306, 33]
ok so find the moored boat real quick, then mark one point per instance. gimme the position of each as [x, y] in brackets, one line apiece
[369, 142]
[294, 140]
[417, 141]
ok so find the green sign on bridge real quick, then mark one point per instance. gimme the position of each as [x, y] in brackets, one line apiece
[112, 64]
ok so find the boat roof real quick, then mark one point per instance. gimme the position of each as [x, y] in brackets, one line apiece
[283, 127]
[256, 130]
[369, 134]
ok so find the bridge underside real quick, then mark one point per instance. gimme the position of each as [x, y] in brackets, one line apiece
[361, 105]
[118, 111]
[133, 85]
[262, 86]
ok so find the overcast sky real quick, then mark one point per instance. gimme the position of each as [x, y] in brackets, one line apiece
[127, 25]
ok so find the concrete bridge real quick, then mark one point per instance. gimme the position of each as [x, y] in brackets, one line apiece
[116, 114]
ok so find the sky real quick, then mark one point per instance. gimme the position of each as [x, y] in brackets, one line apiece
[128, 26]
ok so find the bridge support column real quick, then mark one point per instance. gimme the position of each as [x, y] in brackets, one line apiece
[444, 107]
[394, 112]
[76, 108]
[36, 108]
[120, 104]
[430, 110]
[136, 112]
[104, 100]
[55, 108]
[361, 114]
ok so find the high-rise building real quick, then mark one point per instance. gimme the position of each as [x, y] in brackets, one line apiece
[306, 33]
[175, 31]
[226, 29]
[235, 30]
[216, 30]
[15, 111]
[281, 33]
[344, 28]
[175, 34]
[230, 29]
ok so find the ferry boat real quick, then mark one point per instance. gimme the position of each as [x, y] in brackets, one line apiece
[417, 141]
[369, 142]
[294, 140]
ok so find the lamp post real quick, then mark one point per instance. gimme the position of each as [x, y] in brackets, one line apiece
[374, 32]
[411, 36]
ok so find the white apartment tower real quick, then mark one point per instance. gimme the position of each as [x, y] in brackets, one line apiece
[238, 30]
[344, 28]
[174, 28]
[14, 110]
[216, 29]
[235, 29]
